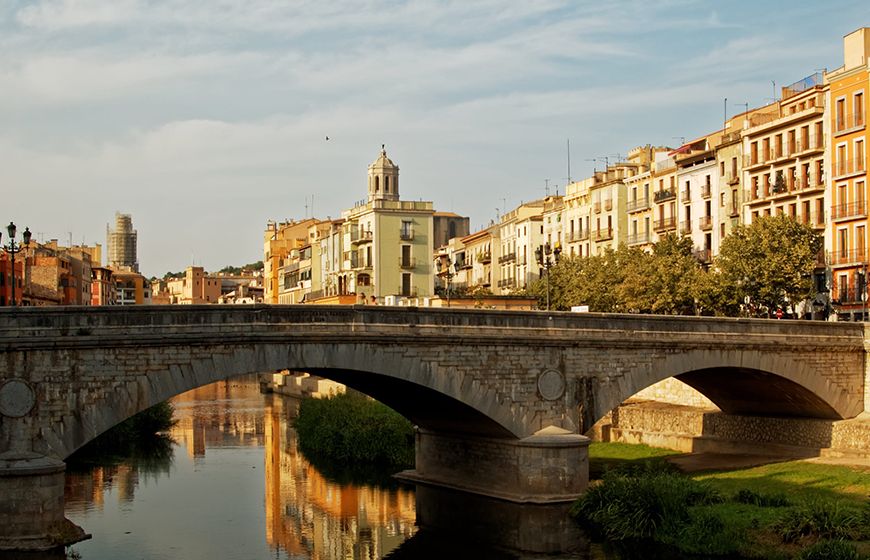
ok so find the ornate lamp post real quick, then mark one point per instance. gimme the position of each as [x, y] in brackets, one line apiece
[543, 255]
[15, 248]
[448, 274]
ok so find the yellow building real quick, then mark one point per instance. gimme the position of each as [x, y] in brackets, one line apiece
[664, 181]
[784, 161]
[578, 213]
[279, 240]
[849, 89]
[388, 242]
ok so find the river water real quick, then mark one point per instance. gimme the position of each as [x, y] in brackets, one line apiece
[233, 485]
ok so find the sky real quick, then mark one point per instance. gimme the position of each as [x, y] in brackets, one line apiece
[204, 119]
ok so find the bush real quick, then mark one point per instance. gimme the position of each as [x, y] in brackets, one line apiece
[351, 428]
[707, 534]
[750, 497]
[817, 519]
[642, 506]
[829, 550]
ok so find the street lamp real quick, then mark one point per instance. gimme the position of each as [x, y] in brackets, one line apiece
[542, 255]
[15, 248]
[448, 274]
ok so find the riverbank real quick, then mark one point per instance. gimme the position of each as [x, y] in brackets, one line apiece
[777, 510]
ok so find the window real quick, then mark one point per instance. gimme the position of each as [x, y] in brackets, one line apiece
[859, 109]
[840, 114]
[407, 231]
[406, 284]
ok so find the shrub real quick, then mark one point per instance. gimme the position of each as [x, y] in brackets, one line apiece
[817, 519]
[641, 506]
[707, 534]
[829, 550]
[750, 497]
[351, 428]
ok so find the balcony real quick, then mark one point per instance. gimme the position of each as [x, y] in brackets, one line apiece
[578, 235]
[856, 209]
[686, 196]
[408, 263]
[639, 239]
[510, 257]
[608, 205]
[596, 207]
[685, 227]
[705, 223]
[665, 224]
[602, 234]
[809, 144]
[506, 283]
[638, 205]
[735, 211]
[485, 257]
[665, 195]
[846, 167]
[843, 258]
[706, 191]
[849, 123]
[357, 236]
[407, 291]
[406, 234]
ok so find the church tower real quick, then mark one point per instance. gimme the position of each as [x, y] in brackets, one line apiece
[383, 178]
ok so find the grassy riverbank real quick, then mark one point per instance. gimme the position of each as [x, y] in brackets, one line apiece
[792, 509]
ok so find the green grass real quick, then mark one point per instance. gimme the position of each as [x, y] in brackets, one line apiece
[776, 511]
[604, 457]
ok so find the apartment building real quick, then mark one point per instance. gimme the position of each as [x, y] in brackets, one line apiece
[848, 90]
[520, 232]
[664, 181]
[279, 239]
[697, 173]
[388, 242]
[784, 161]
[577, 205]
[729, 191]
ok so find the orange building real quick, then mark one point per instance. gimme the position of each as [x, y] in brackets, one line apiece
[849, 89]
[6, 279]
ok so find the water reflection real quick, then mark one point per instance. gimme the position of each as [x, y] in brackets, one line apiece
[237, 487]
[306, 512]
[209, 501]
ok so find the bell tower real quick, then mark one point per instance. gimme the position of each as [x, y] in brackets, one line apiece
[383, 178]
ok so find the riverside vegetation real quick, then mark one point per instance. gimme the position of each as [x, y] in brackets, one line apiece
[351, 429]
[787, 510]
[640, 503]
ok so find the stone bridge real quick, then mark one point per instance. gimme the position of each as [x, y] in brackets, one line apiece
[501, 399]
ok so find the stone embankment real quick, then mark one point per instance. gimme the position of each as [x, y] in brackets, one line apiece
[698, 429]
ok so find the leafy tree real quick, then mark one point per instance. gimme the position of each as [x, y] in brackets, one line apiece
[664, 281]
[771, 261]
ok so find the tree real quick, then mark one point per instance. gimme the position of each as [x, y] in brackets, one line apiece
[664, 281]
[771, 261]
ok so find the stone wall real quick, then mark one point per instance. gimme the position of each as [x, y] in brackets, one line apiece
[691, 429]
[674, 391]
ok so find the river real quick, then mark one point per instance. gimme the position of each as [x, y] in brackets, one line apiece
[232, 485]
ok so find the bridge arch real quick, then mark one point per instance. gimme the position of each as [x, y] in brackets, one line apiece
[431, 397]
[742, 382]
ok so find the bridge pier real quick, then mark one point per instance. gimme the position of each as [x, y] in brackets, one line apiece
[548, 467]
[31, 509]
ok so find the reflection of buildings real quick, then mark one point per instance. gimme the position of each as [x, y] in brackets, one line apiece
[233, 416]
[86, 491]
[306, 513]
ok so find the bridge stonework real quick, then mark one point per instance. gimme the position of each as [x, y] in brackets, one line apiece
[501, 398]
